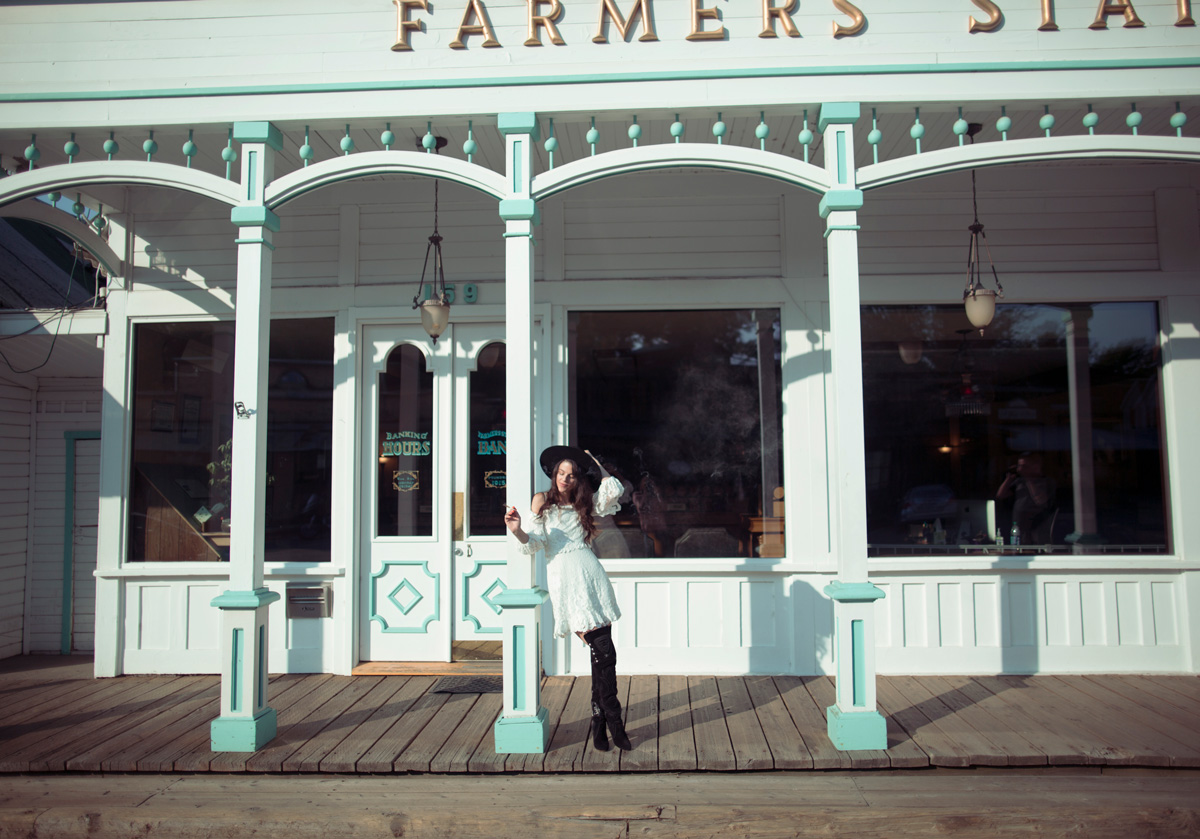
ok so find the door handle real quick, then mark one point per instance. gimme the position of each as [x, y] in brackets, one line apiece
[458, 552]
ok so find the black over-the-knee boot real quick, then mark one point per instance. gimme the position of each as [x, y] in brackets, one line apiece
[599, 731]
[604, 681]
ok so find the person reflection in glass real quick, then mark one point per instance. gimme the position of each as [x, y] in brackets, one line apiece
[562, 523]
[1033, 494]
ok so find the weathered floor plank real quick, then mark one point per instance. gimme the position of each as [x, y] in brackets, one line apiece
[714, 750]
[641, 723]
[810, 722]
[750, 750]
[676, 740]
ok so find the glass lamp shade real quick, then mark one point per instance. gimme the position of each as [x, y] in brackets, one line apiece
[981, 306]
[910, 351]
[435, 316]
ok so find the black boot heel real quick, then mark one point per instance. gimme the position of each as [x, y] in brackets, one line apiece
[620, 737]
[599, 729]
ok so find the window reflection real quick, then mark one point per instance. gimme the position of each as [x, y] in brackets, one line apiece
[487, 441]
[684, 408]
[1070, 394]
[405, 445]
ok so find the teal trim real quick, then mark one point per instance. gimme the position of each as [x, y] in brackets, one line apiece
[854, 592]
[517, 598]
[839, 113]
[608, 78]
[260, 687]
[435, 615]
[254, 215]
[518, 123]
[254, 242]
[487, 596]
[68, 563]
[237, 659]
[518, 668]
[243, 734]
[833, 227]
[841, 157]
[518, 236]
[251, 177]
[258, 132]
[520, 209]
[858, 663]
[522, 735]
[855, 730]
[840, 199]
[245, 599]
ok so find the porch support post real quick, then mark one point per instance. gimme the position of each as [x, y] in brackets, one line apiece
[523, 726]
[247, 722]
[853, 722]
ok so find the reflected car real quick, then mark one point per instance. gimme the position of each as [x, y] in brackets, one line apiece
[929, 502]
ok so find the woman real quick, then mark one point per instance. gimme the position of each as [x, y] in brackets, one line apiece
[563, 525]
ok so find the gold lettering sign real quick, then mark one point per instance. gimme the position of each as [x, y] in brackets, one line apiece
[700, 15]
[608, 8]
[1048, 24]
[475, 9]
[854, 13]
[406, 481]
[537, 21]
[1116, 7]
[404, 24]
[995, 17]
[784, 13]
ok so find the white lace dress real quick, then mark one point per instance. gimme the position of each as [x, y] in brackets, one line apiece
[583, 597]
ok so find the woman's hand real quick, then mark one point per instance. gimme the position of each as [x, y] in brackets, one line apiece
[512, 520]
[599, 465]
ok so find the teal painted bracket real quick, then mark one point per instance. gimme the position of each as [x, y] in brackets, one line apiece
[522, 735]
[854, 592]
[243, 734]
[258, 132]
[520, 209]
[435, 615]
[838, 113]
[68, 566]
[855, 730]
[519, 123]
[245, 599]
[840, 199]
[518, 598]
[254, 216]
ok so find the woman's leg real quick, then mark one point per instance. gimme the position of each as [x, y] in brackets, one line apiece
[604, 683]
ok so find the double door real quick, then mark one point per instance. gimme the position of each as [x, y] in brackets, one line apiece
[432, 461]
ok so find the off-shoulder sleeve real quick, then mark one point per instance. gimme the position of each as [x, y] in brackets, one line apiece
[606, 501]
[534, 525]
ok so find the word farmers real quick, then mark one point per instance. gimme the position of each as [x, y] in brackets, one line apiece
[706, 23]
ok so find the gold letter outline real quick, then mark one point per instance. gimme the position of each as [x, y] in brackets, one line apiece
[1048, 24]
[404, 25]
[1116, 7]
[854, 13]
[784, 13]
[476, 9]
[700, 15]
[536, 20]
[609, 8]
[995, 17]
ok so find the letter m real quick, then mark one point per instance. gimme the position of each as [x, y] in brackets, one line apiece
[608, 8]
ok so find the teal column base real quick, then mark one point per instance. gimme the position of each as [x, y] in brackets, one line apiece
[523, 735]
[243, 734]
[855, 730]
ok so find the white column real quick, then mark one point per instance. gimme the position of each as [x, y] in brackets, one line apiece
[853, 722]
[247, 722]
[523, 727]
[1083, 453]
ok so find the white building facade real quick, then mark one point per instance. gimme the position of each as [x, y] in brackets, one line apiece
[721, 246]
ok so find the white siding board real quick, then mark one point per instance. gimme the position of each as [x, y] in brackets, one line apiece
[16, 413]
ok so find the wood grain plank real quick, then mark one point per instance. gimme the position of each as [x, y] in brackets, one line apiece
[1160, 687]
[966, 746]
[566, 747]
[824, 694]
[406, 726]
[322, 735]
[809, 720]
[1016, 749]
[1143, 692]
[676, 735]
[184, 716]
[595, 760]
[641, 724]
[788, 749]
[418, 755]
[380, 709]
[714, 750]
[1015, 717]
[750, 749]
[555, 690]
[472, 735]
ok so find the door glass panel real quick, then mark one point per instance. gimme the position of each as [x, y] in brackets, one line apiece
[487, 479]
[405, 445]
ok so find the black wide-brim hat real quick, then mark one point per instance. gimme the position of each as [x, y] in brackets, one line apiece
[554, 455]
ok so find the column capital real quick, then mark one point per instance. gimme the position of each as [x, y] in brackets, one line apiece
[519, 209]
[245, 599]
[841, 113]
[518, 123]
[854, 592]
[254, 215]
[258, 132]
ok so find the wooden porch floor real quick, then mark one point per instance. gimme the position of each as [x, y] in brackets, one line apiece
[58, 720]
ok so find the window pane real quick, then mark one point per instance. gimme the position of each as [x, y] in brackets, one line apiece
[182, 451]
[486, 483]
[405, 445]
[684, 408]
[1068, 394]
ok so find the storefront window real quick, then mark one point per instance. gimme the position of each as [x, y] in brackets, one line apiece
[488, 433]
[685, 409]
[1065, 396]
[405, 445]
[182, 450]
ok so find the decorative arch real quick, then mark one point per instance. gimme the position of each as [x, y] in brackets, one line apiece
[67, 225]
[373, 163]
[125, 172]
[1034, 150]
[674, 155]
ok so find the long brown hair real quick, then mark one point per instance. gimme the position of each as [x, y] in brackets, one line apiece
[580, 498]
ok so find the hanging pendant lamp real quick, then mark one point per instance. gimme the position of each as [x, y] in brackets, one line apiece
[980, 302]
[435, 309]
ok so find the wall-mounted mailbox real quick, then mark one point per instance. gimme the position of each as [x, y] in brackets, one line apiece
[306, 600]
